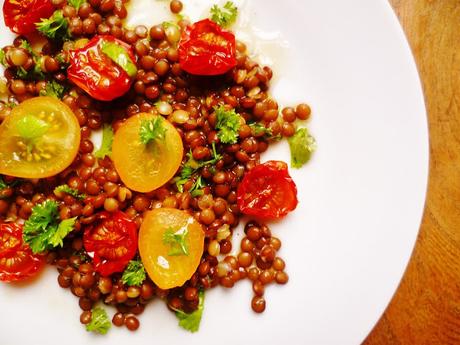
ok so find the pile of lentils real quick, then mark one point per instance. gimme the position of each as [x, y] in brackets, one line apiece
[187, 101]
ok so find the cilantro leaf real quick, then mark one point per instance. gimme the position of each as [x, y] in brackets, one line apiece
[191, 322]
[43, 230]
[197, 188]
[55, 27]
[106, 144]
[228, 124]
[177, 240]
[151, 130]
[100, 321]
[120, 56]
[259, 129]
[53, 89]
[67, 190]
[224, 16]
[302, 145]
[134, 274]
[76, 3]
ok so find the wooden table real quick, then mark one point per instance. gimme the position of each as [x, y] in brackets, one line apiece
[426, 307]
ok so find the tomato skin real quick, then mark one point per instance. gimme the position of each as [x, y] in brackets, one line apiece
[267, 191]
[96, 73]
[206, 49]
[17, 262]
[111, 241]
[21, 16]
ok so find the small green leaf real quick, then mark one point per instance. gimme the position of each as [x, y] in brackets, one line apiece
[73, 192]
[152, 130]
[55, 27]
[100, 322]
[31, 127]
[224, 16]
[76, 3]
[64, 228]
[228, 124]
[106, 144]
[53, 89]
[177, 240]
[191, 322]
[302, 145]
[120, 56]
[134, 273]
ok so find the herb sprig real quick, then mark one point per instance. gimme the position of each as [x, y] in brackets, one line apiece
[224, 16]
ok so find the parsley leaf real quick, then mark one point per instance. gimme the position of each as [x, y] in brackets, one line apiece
[228, 124]
[192, 166]
[106, 144]
[197, 188]
[224, 16]
[35, 72]
[67, 190]
[259, 129]
[191, 322]
[178, 241]
[3, 58]
[55, 27]
[134, 274]
[100, 322]
[43, 231]
[76, 3]
[151, 130]
[302, 145]
[53, 89]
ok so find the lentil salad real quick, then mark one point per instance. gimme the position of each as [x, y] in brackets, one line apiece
[150, 213]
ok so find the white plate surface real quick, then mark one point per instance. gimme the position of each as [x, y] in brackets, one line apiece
[361, 197]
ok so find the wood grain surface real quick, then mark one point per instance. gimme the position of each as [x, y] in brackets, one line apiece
[426, 307]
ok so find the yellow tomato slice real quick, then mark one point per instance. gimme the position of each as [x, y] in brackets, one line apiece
[171, 245]
[142, 167]
[40, 138]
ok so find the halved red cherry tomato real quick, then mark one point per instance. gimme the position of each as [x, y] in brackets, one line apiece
[17, 262]
[104, 68]
[267, 191]
[206, 49]
[21, 15]
[111, 241]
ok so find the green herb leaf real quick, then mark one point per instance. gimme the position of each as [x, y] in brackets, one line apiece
[302, 145]
[259, 129]
[134, 274]
[106, 144]
[34, 73]
[100, 321]
[43, 230]
[178, 241]
[31, 127]
[3, 58]
[67, 190]
[53, 89]
[224, 16]
[191, 322]
[75, 3]
[152, 130]
[197, 188]
[120, 56]
[228, 124]
[192, 166]
[55, 27]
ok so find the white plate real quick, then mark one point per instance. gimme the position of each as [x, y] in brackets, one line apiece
[361, 197]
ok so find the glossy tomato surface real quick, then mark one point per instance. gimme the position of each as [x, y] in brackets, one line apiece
[206, 49]
[111, 241]
[40, 138]
[96, 73]
[166, 267]
[22, 15]
[141, 167]
[267, 191]
[17, 262]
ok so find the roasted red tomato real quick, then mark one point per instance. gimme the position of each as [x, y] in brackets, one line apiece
[21, 15]
[17, 262]
[206, 49]
[112, 241]
[267, 191]
[105, 68]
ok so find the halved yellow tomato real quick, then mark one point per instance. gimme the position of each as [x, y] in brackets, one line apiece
[146, 167]
[171, 245]
[40, 138]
